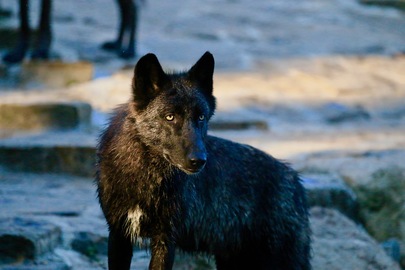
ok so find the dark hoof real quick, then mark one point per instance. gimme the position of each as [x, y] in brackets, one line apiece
[110, 46]
[14, 57]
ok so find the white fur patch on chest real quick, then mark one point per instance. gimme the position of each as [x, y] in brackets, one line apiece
[133, 222]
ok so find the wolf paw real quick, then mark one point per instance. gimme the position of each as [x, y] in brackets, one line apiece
[110, 46]
[15, 56]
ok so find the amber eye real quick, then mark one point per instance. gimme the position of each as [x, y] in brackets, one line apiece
[201, 117]
[170, 117]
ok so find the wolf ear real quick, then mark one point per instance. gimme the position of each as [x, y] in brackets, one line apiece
[148, 81]
[203, 72]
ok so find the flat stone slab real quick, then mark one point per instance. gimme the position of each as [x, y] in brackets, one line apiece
[24, 238]
[56, 74]
[40, 116]
[72, 153]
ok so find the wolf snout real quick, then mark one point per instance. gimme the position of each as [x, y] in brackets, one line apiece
[196, 161]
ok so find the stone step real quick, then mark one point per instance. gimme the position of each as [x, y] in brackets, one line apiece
[58, 152]
[54, 206]
[26, 239]
[45, 116]
[55, 73]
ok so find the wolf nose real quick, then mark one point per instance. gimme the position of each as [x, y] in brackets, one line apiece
[197, 162]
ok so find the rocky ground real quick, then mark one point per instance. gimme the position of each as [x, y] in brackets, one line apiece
[318, 83]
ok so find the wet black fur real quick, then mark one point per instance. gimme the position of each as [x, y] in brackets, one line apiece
[196, 192]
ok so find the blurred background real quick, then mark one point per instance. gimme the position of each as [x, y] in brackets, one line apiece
[320, 83]
[239, 33]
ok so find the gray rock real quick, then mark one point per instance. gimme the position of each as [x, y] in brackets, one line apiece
[337, 113]
[340, 244]
[22, 238]
[393, 248]
[378, 179]
[327, 190]
[90, 244]
[382, 203]
[40, 116]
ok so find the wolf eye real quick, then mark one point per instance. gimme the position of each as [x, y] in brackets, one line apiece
[169, 117]
[201, 117]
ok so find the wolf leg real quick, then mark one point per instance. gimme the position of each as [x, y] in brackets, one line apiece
[128, 28]
[45, 35]
[162, 254]
[18, 53]
[124, 45]
[258, 260]
[116, 44]
[119, 251]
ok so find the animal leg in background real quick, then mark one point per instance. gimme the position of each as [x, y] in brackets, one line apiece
[124, 45]
[43, 43]
[44, 39]
[19, 51]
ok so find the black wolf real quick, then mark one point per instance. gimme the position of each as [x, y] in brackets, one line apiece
[160, 176]
[124, 45]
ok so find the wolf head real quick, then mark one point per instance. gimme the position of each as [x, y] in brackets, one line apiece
[170, 112]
